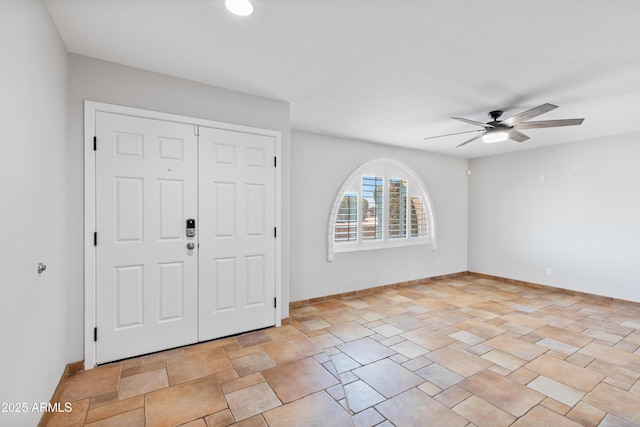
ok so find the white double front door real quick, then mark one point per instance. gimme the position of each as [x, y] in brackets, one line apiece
[158, 286]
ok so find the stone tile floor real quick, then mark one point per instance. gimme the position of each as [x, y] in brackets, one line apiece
[465, 351]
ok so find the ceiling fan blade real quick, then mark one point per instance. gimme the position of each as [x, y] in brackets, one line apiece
[450, 134]
[470, 140]
[529, 114]
[516, 136]
[473, 122]
[549, 123]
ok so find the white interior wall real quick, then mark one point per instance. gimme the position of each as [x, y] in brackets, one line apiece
[33, 115]
[112, 83]
[581, 222]
[319, 166]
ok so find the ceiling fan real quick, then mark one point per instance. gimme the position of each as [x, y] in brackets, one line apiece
[500, 130]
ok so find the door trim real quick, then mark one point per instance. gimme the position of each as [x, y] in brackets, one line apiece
[90, 110]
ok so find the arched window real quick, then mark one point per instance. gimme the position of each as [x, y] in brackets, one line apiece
[383, 203]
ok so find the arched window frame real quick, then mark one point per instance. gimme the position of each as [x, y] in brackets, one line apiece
[387, 169]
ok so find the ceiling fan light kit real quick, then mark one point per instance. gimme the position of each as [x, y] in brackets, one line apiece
[492, 136]
[500, 130]
[239, 7]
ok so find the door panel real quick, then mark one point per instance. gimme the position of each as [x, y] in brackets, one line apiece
[237, 253]
[146, 187]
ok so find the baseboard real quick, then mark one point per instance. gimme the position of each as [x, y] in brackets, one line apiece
[368, 291]
[69, 370]
[596, 298]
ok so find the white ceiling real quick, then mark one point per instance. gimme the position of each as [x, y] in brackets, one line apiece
[389, 71]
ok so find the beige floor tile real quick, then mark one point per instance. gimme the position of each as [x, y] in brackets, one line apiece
[367, 418]
[131, 418]
[198, 363]
[523, 319]
[613, 356]
[75, 418]
[516, 347]
[387, 377]
[425, 411]
[360, 396]
[482, 413]
[563, 335]
[493, 307]
[556, 390]
[404, 322]
[195, 423]
[503, 359]
[114, 409]
[292, 348]
[143, 383]
[281, 332]
[558, 346]
[142, 367]
[616, 372]
[618, 402]
[255, 421]
[479, 328]
[350, 331]
[522, 376]
[252, 363]
[184, 402]
[451, 396]
[556, 406]
[326, 340]
[541, 416]
[222, 418]
[240, 383]
[439, 375]
[253, 338]
[427, 338]
[97, 381]
[507, 395]
[467, 337]
[409, 349]
[298, 379]
[387, 330]
[459, 361]
[365, 350]
[316, 409]
[242, 351]
[565, 372]
[252, 401]
[343, 363]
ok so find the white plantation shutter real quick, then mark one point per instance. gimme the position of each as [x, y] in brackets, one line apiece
[383, 203]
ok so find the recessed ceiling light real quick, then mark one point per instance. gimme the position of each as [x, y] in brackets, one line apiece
[239, 7]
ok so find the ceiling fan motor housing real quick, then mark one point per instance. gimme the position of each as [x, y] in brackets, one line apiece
[495, 114]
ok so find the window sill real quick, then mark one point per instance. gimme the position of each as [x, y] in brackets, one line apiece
[339, 247]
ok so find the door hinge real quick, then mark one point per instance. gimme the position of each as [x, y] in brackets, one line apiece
[95, 238]
[95, 143]
[275, 231]
[95, 334]
[275, 302]
[275, 162]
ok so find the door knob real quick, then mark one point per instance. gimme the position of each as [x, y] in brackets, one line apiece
[191, 245]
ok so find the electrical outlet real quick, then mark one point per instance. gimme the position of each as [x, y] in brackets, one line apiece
[548, 271]
[541, 178]
[575, 174]
[602, 279]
